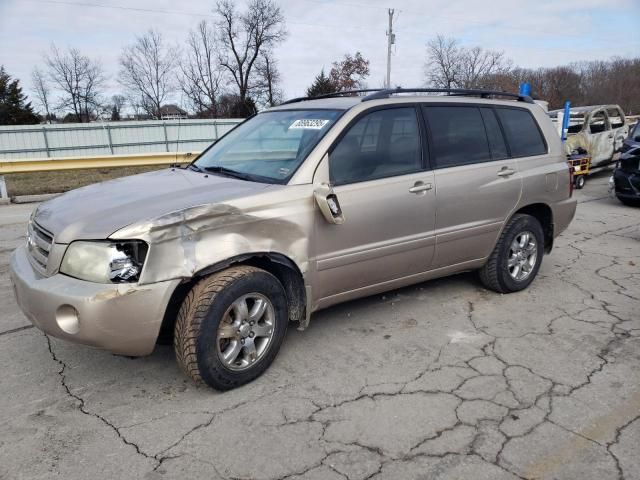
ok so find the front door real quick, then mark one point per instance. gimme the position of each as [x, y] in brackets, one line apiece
[387, 197]
[600, 137]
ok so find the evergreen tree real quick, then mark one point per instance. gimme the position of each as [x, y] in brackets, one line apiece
[14, 108]
[321, 85]
[115, 114]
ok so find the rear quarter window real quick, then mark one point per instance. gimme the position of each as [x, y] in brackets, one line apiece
[522, 132]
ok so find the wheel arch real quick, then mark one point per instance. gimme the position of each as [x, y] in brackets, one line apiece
[282, 267]
[543, 213]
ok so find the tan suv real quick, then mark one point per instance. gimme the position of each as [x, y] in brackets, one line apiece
[308, 204]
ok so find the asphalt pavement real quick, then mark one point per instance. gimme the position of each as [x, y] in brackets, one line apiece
[441, 380]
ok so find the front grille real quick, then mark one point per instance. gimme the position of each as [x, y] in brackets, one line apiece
[39, 243]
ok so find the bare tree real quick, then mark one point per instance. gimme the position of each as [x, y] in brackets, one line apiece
[148, 71]
[477, 63]
[79, 79]
[444, 62]
[268, 79]
[244, 36]
[450, 65]
[201, 73]
[350, 72]
[42, 90]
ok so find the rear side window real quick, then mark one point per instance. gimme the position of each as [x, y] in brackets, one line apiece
[458, 135]
[494, 135]
[522, 132]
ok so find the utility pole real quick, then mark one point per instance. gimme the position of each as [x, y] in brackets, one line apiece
[391, 40]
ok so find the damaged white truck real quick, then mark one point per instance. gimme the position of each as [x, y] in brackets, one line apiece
[598, 131]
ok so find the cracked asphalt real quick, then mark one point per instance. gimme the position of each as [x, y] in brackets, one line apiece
[441, 380]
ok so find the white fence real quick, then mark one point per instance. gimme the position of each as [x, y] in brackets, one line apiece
[110, 138]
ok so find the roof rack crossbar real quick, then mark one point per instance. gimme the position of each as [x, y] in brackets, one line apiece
[386, 93]
[378, 93]
[332, 95]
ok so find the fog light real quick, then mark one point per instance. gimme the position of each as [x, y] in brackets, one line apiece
[67, 319]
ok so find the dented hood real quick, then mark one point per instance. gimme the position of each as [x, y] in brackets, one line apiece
[97, 211]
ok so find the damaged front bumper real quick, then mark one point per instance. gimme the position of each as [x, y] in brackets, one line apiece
[121, 318]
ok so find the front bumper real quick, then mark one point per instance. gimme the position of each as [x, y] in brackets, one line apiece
[121, 318]
[626, 184]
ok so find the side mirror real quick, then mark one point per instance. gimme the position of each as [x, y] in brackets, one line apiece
[328, 203]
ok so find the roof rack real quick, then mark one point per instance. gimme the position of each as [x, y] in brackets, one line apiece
[378, 93]
[386, 93]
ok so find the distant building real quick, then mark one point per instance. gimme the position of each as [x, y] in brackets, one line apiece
[172, 112]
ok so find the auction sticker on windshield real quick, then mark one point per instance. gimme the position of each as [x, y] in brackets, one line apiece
[309, 124]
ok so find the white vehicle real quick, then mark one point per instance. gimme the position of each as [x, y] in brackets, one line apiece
[598, 130]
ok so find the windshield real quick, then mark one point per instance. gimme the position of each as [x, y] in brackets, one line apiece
[270, 146]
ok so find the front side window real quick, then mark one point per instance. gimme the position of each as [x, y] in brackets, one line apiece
[598, 122]
[522, 132]
[615, 118]
[270, 146]
[380, 144]
[458, 135]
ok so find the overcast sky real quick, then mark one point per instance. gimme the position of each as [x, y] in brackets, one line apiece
[535, 33]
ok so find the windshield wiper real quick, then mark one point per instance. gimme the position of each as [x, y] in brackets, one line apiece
[228, 172]
[193, 166]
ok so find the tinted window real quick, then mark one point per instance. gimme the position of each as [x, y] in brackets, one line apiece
[522, 132]
[494, 135]
[458, 136]
[381, 144]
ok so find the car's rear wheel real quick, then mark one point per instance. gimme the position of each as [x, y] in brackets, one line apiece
[230, 327]
[516, 258]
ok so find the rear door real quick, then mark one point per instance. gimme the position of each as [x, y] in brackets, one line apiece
[379, 175]
[477, 183]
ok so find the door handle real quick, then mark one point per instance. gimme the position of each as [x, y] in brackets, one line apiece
[506, 172]
[420, 187]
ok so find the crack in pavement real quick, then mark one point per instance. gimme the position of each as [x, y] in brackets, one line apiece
[82, 406]
[15, 330]
[484, 379]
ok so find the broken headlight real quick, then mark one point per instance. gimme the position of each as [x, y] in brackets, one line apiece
[105, 262]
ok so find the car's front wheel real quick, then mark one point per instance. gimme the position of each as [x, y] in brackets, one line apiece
[516, 258]
[230, 327]
[630, 202]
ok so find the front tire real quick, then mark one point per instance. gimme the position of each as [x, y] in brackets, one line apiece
[579, 182]
[517, 256]
[230, 327]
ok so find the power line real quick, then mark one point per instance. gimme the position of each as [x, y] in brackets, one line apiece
[318, 25]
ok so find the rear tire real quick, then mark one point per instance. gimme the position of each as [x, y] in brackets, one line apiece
[579, 182]
[517, 256]
[230, 327]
